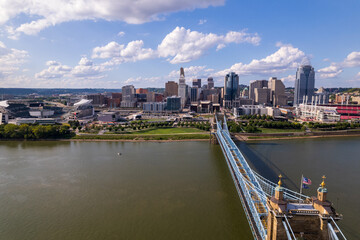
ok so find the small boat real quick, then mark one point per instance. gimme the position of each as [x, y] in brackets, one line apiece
[119, 154]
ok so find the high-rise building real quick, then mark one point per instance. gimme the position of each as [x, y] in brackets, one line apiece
[97, 99]
[231, 87]
[171, 89]
[304, 84]
[194, 94]
[262, 95]
[210, 83]
[256, 84]
[277, 92]
[128, 96]
[196, 83]
[182, 90]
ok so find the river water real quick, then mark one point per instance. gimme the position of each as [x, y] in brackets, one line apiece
[85, 190]
[175, 190]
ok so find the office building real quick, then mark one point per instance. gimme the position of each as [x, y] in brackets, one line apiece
[231, 87]
[154, 107]
[194, 94]
[210, 83]
[196, 83]
[256, 84]
[277, 92]
[128, 96]
[171, 89]
[97, 99]
[304, 84]
[141, 91]
[173, 104]
[262, 95]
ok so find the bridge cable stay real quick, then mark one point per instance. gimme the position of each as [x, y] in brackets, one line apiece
[332, 233]
[287, 192]
[287, 231]
[292, 233]
[338, 228]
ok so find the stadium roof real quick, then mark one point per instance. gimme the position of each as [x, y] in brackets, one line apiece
[83, 102]
[4, 103]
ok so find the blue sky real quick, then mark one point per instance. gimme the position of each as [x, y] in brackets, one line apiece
[111, 43]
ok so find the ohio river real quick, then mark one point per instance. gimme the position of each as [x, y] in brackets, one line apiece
[175, 190]
[85, 190]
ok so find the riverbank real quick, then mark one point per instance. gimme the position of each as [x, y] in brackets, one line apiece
[289, 136]
[129, 138]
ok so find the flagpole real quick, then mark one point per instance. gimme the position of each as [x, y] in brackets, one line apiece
[301, 183]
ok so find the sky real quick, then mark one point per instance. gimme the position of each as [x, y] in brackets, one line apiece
[112, 43]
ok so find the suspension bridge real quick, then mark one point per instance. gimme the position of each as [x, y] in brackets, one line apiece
[273, 211]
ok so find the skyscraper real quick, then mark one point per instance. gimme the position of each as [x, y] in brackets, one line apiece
[304, 84]
[210, 83]
[196, 83]
[231, 86]
[182, 90]
[194, 94]
[277, 92]
[171, 89]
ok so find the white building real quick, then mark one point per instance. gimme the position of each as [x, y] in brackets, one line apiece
[182, 89]
[128, 96]
[154, 107]
[256, 110]
[317, 113]
[4, 118]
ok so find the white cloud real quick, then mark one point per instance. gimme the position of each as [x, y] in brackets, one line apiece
[52, 12]
[358, 75]
[351, 60]
[10, 60]
[288, 79]
[132, 52]
[84, 69]
[184, 45]
[286, 58]
[331, 71]
[55, 70]
[120, 34]
[202, 21]
[193, 72]
[143, 81]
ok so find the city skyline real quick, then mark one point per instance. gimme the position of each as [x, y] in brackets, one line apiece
[110, 45]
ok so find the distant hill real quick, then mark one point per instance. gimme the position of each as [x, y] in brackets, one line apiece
[56, 91]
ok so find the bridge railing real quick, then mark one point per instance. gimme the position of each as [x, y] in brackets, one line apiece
[229, 148]
[269, 189]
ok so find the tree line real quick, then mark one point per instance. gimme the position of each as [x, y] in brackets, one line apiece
[26, 131]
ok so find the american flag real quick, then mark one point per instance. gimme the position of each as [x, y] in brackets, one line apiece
[306, 181]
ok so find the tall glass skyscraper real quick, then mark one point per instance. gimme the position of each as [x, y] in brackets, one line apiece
[304, 84]
[231, 86]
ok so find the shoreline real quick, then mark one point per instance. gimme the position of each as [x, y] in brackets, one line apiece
[294, 137]
[103, 140]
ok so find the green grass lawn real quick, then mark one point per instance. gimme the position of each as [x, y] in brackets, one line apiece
[275, 130]
[154, 120]
[168, 130]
